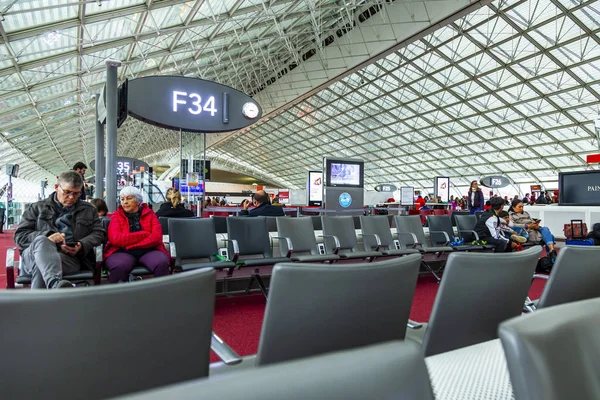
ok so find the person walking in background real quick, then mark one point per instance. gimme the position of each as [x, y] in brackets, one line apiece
[134, 237]
[475, 199]
[81, 168]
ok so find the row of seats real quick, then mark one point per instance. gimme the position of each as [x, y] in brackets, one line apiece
[158, 332]
[542, 351]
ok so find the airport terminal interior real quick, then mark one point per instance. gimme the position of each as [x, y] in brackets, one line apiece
[300, 199]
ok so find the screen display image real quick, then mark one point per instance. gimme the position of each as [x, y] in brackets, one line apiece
[315, 188]
[345, 174]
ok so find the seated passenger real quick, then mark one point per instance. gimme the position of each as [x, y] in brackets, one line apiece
[522, 222]
[177, 210]
[100, 206]
[488, 227]
[260, 200]
[57, 235]
[134, 237]
[167, 203]
[507, 230]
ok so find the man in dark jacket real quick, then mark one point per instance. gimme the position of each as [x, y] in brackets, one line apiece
[488, 227]
[57, 235]
[263, 208]
[81, 168]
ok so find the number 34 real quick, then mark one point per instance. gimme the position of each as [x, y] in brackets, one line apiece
[209, 105]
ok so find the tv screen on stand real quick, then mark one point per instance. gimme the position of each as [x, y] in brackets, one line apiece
[345, 173]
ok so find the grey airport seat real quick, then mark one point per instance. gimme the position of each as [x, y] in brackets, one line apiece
[455, 214]
[340, 238]
[317, 224]
[297, 240]
[575, 276]
[411, 236]
[377, 235]
[194, 244]
[478, 292]
[465, 225]
[108, 340]
[554, 353]
[393, 370]
[249, 245]
[220, 223]
[339, 312]
[272, 224]
[442, 233]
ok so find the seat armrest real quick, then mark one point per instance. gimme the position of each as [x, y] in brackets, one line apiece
[412, 236]
[336, 240]
[223, 351]
[469, 230]
[439, 232]
[541, 276]
[414, 325]
[99, 253]
[288, 241]
[377, 240]
[10, 267]
[236, 249]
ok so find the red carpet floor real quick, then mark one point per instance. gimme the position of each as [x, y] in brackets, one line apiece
[238, 319]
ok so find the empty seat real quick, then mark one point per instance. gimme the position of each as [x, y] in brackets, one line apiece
[220, 223]
[392, 370]
[377, 236]
[106, 340]
[478, 292]
[554, 353]
[297, 240]
[317, 225]
[575, 276]
[441, 233]
[249, 245]
[347, 306]
[340, 238]
[194, 244]
[411, 236]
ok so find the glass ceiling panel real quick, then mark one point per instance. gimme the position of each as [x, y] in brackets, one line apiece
[476, 96]
[26, 14]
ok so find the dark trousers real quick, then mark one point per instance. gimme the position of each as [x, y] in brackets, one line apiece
[121, 264]
[502, 246]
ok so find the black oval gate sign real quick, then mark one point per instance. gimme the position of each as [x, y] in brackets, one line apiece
[386, 187]
[496, 181]
[190, 104]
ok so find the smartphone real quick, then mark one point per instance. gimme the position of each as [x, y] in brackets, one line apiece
[71, 244]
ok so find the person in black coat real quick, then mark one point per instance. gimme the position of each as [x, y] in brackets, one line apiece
[475, 199]
[263, 207]
[174, 209]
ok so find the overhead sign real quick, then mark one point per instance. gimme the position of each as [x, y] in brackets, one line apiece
[495, 181]
[190, 104]
[386, 187]
[442, 188]
[125, 165]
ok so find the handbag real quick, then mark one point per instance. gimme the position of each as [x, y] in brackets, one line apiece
[577, 229]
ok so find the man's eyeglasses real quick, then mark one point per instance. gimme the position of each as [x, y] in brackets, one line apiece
[69, 193]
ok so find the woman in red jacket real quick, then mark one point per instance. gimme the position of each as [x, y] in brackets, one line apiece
[134, 237]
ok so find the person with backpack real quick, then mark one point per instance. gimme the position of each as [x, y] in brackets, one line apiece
[489, 227]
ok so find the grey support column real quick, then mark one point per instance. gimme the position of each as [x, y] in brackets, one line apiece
[111, 133]
[99, 170]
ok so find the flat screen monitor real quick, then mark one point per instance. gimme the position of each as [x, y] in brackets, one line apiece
[315, 188]
[345, 173]
[581, 188]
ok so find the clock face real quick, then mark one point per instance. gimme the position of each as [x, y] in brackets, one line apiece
[250, 110]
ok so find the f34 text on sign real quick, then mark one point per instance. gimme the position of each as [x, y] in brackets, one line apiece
[180, 98]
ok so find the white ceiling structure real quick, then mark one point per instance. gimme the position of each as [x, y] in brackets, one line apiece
[506, 87]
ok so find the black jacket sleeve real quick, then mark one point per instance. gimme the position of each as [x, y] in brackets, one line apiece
[26, 232]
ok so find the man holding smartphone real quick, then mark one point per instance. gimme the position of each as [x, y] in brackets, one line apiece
[260, 200]
[56, 236]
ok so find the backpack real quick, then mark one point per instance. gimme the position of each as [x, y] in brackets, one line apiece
[544, 265]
